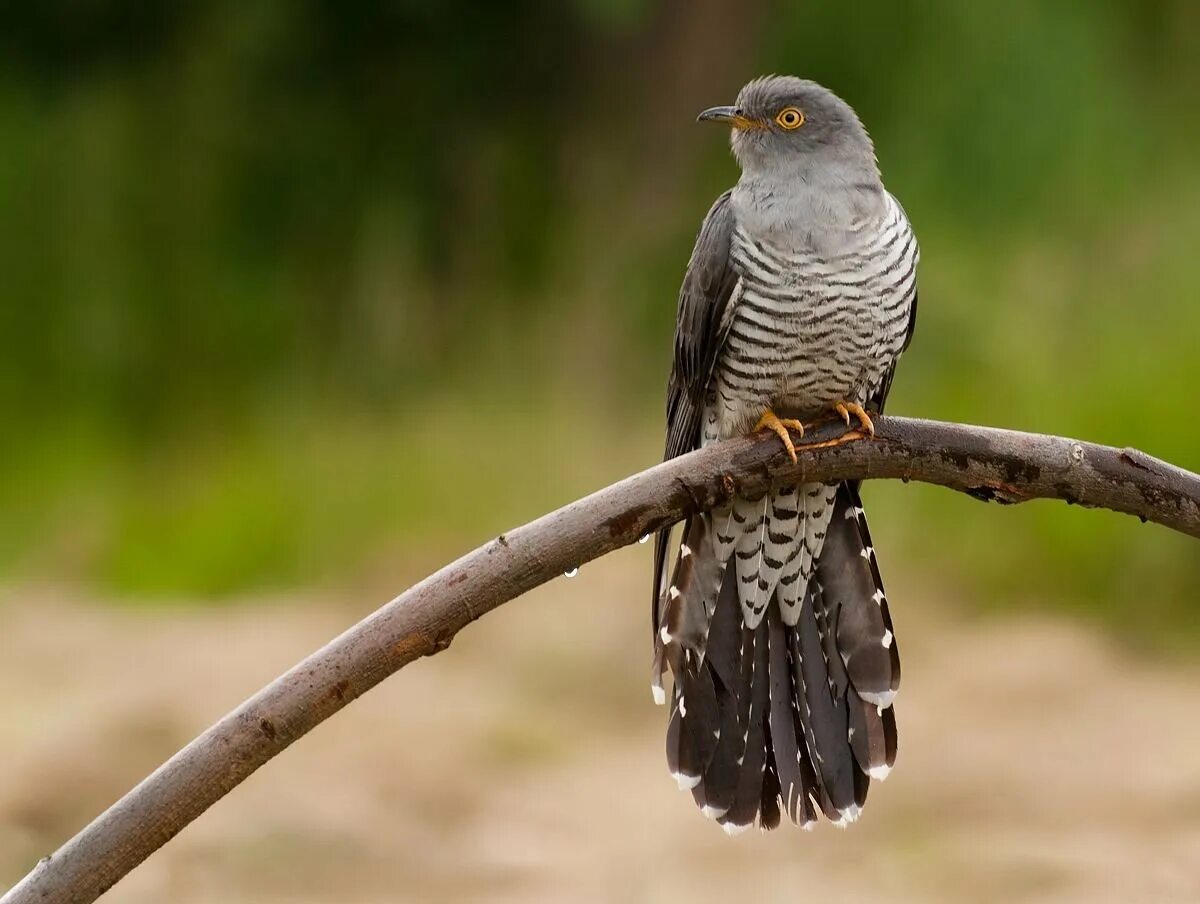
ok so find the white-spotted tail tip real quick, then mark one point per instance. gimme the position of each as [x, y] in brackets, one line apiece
[659, 694]
[732, 828]
[847, 816]
[881, 701]
[879, 772]
[708, 811]
[685, 782]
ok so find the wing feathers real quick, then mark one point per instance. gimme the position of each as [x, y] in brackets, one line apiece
[707, 287]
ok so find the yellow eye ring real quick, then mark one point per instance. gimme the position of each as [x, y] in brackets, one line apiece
[790, 118]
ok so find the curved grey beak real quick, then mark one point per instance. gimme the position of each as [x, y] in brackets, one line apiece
[721, 114]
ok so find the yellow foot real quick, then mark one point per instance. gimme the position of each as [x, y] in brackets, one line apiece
[780, 428]
[845, 409]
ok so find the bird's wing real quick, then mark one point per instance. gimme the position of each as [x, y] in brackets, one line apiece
[700, 327]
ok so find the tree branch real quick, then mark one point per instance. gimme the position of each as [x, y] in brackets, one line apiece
[989, 464]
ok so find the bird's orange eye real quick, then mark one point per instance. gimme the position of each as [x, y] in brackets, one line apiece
[790, 118]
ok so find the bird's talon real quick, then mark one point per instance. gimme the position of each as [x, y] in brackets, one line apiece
[780, 428]
[845, 409]
[792, 424]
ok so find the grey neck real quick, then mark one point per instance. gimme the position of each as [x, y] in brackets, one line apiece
[799, 207]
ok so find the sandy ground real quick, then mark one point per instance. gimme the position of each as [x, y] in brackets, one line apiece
[1037, 762]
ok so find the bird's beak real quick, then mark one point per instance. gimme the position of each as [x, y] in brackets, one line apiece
[732, 115]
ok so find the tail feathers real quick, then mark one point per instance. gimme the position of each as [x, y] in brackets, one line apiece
[693, 730]
[791, 714]
[717, 790]
[692, 595]
[769, 815]
[687, 616]
[823, 714]
[853, 591]
[752, 705]
[873, 738]
[789, 749]
[725, 659]
[857, 637]
[866, 732]
[689, 602]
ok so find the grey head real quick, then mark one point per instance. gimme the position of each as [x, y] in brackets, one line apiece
[804, 153]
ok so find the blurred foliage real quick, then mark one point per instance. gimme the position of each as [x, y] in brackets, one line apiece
[289, 283]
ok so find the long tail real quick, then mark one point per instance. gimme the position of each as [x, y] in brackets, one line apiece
[790, 712]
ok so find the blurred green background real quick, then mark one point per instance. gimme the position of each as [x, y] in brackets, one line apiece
[296, 289]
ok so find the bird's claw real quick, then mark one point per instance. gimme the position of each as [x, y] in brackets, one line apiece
[780, 427]
[845, 409]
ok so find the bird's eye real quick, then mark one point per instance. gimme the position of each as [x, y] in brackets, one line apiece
[790, 118]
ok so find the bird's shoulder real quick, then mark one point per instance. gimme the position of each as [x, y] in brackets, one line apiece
[704, 296]
[707, 280]
[716, 230]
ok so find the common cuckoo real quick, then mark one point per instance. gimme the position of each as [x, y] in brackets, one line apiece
[797, 302]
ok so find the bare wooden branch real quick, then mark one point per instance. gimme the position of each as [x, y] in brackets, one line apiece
[989, 464]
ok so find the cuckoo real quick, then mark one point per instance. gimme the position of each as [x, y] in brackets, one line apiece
[799, 297]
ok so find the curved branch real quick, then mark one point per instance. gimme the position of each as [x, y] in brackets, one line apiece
[989, 464]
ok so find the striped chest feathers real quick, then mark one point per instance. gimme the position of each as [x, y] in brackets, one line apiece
[820, 318]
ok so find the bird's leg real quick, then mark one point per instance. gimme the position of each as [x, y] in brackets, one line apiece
[780, 428]
[845, 409]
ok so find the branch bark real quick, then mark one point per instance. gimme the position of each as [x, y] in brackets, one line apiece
[989, 464]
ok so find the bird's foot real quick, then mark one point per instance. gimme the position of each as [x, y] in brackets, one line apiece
[780, 427]
[845, 409]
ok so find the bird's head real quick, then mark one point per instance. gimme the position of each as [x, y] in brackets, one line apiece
[783, 123]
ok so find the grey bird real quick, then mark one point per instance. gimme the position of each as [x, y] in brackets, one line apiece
[799, 297]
